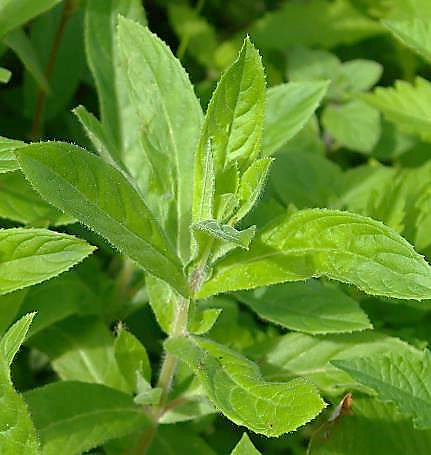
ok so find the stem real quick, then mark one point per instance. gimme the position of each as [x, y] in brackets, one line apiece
[68, 9]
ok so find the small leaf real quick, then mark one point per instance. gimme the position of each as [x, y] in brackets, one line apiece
[102, 197]
[8, 162]
[15, 336]
[146, 395]
[203, 319]
[340, 245]
[403, 378]
[5, 75]
[245, 447]
[29, 256]
[236, 387]
[73, 417]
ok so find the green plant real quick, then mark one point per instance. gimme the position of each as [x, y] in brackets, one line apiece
[210, 219]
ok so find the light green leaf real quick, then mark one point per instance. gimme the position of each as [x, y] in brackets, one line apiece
[29, 256]
[236, 387]
[407, 105]
[131, 357]
[307, 307]
[226, 232]
[361, 74]
[203, 319]
[20, 43]
[354, 125]
[15, 13]
[17, 434]
[403, 378]
[101, 197]
[195, 406]
[146, 395]
[414, 33]
[8, 162]
[340, 245]
[14, 338]
[73, 417]
[5, 75]
[245, 447]
[204, 185]
[288, 108]
[171, 117]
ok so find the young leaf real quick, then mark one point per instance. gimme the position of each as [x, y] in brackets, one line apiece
[101, 197]
[8, 162]
[245, 447]
[340, 245]
[226, 233]
[17, 434]
[288, 108]
[29, 256]
[307, 307]
[404, 378]
[236, 387]
[73, 417]
[171, 119]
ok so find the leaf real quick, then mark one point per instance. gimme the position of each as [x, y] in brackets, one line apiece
[15, 13]
[5, 75]
[204, 185]
[225, 232]
[354, 125]
[20, 43]
[361, 74]
[14, 338]
[340, 245]
[309, 307]
[236, 387]
[73, 417]
[83, 186]
[288, 108]
[403, 378]
[373, 428]
[17, 433]
[170, 117]
[10, 305]
[414, 33]
[146, 395]
[407, 105]
[29, 256]
[245, 447]
[117, 120]
[8, 162]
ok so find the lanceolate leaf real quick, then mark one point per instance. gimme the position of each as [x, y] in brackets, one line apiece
[236, 387]
[101, 197]
[340, 245]
[14, 338]
[404, 378]
[29, 256]
[171, 117]
[73, 417]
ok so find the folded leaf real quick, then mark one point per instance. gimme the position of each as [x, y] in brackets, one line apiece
[14, 338]
[29, 256]
[101, 197]
[73, 417]
[340, 245]
[236, 387]
[403, 378]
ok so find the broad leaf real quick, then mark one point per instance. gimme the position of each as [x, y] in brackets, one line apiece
[245, 447]
[404, 378]
[17, 434]
[340, 245]
[236, 387]
[73, 417]
[171, 117]
[307, 307]
[8, 162]
[83, 186]
[29, 256]
[288, 108]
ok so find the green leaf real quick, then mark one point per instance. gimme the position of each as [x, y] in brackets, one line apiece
[132, 358]
[226, 232]
[82, 185]
[407, 105]
[340, 245]
[414, 33]
[17, 434]
[245, 447]
[361, 74]
[8, 162]
[29, 256]
[204, 185]
[288, 108]
[15, 13]
[20, 43]
[5, 75]
[10, 305]
[73, 417]
[307, 307]
[403, 378]
[171, 117]
[146, 395]
[354, 125]
[236, 387]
